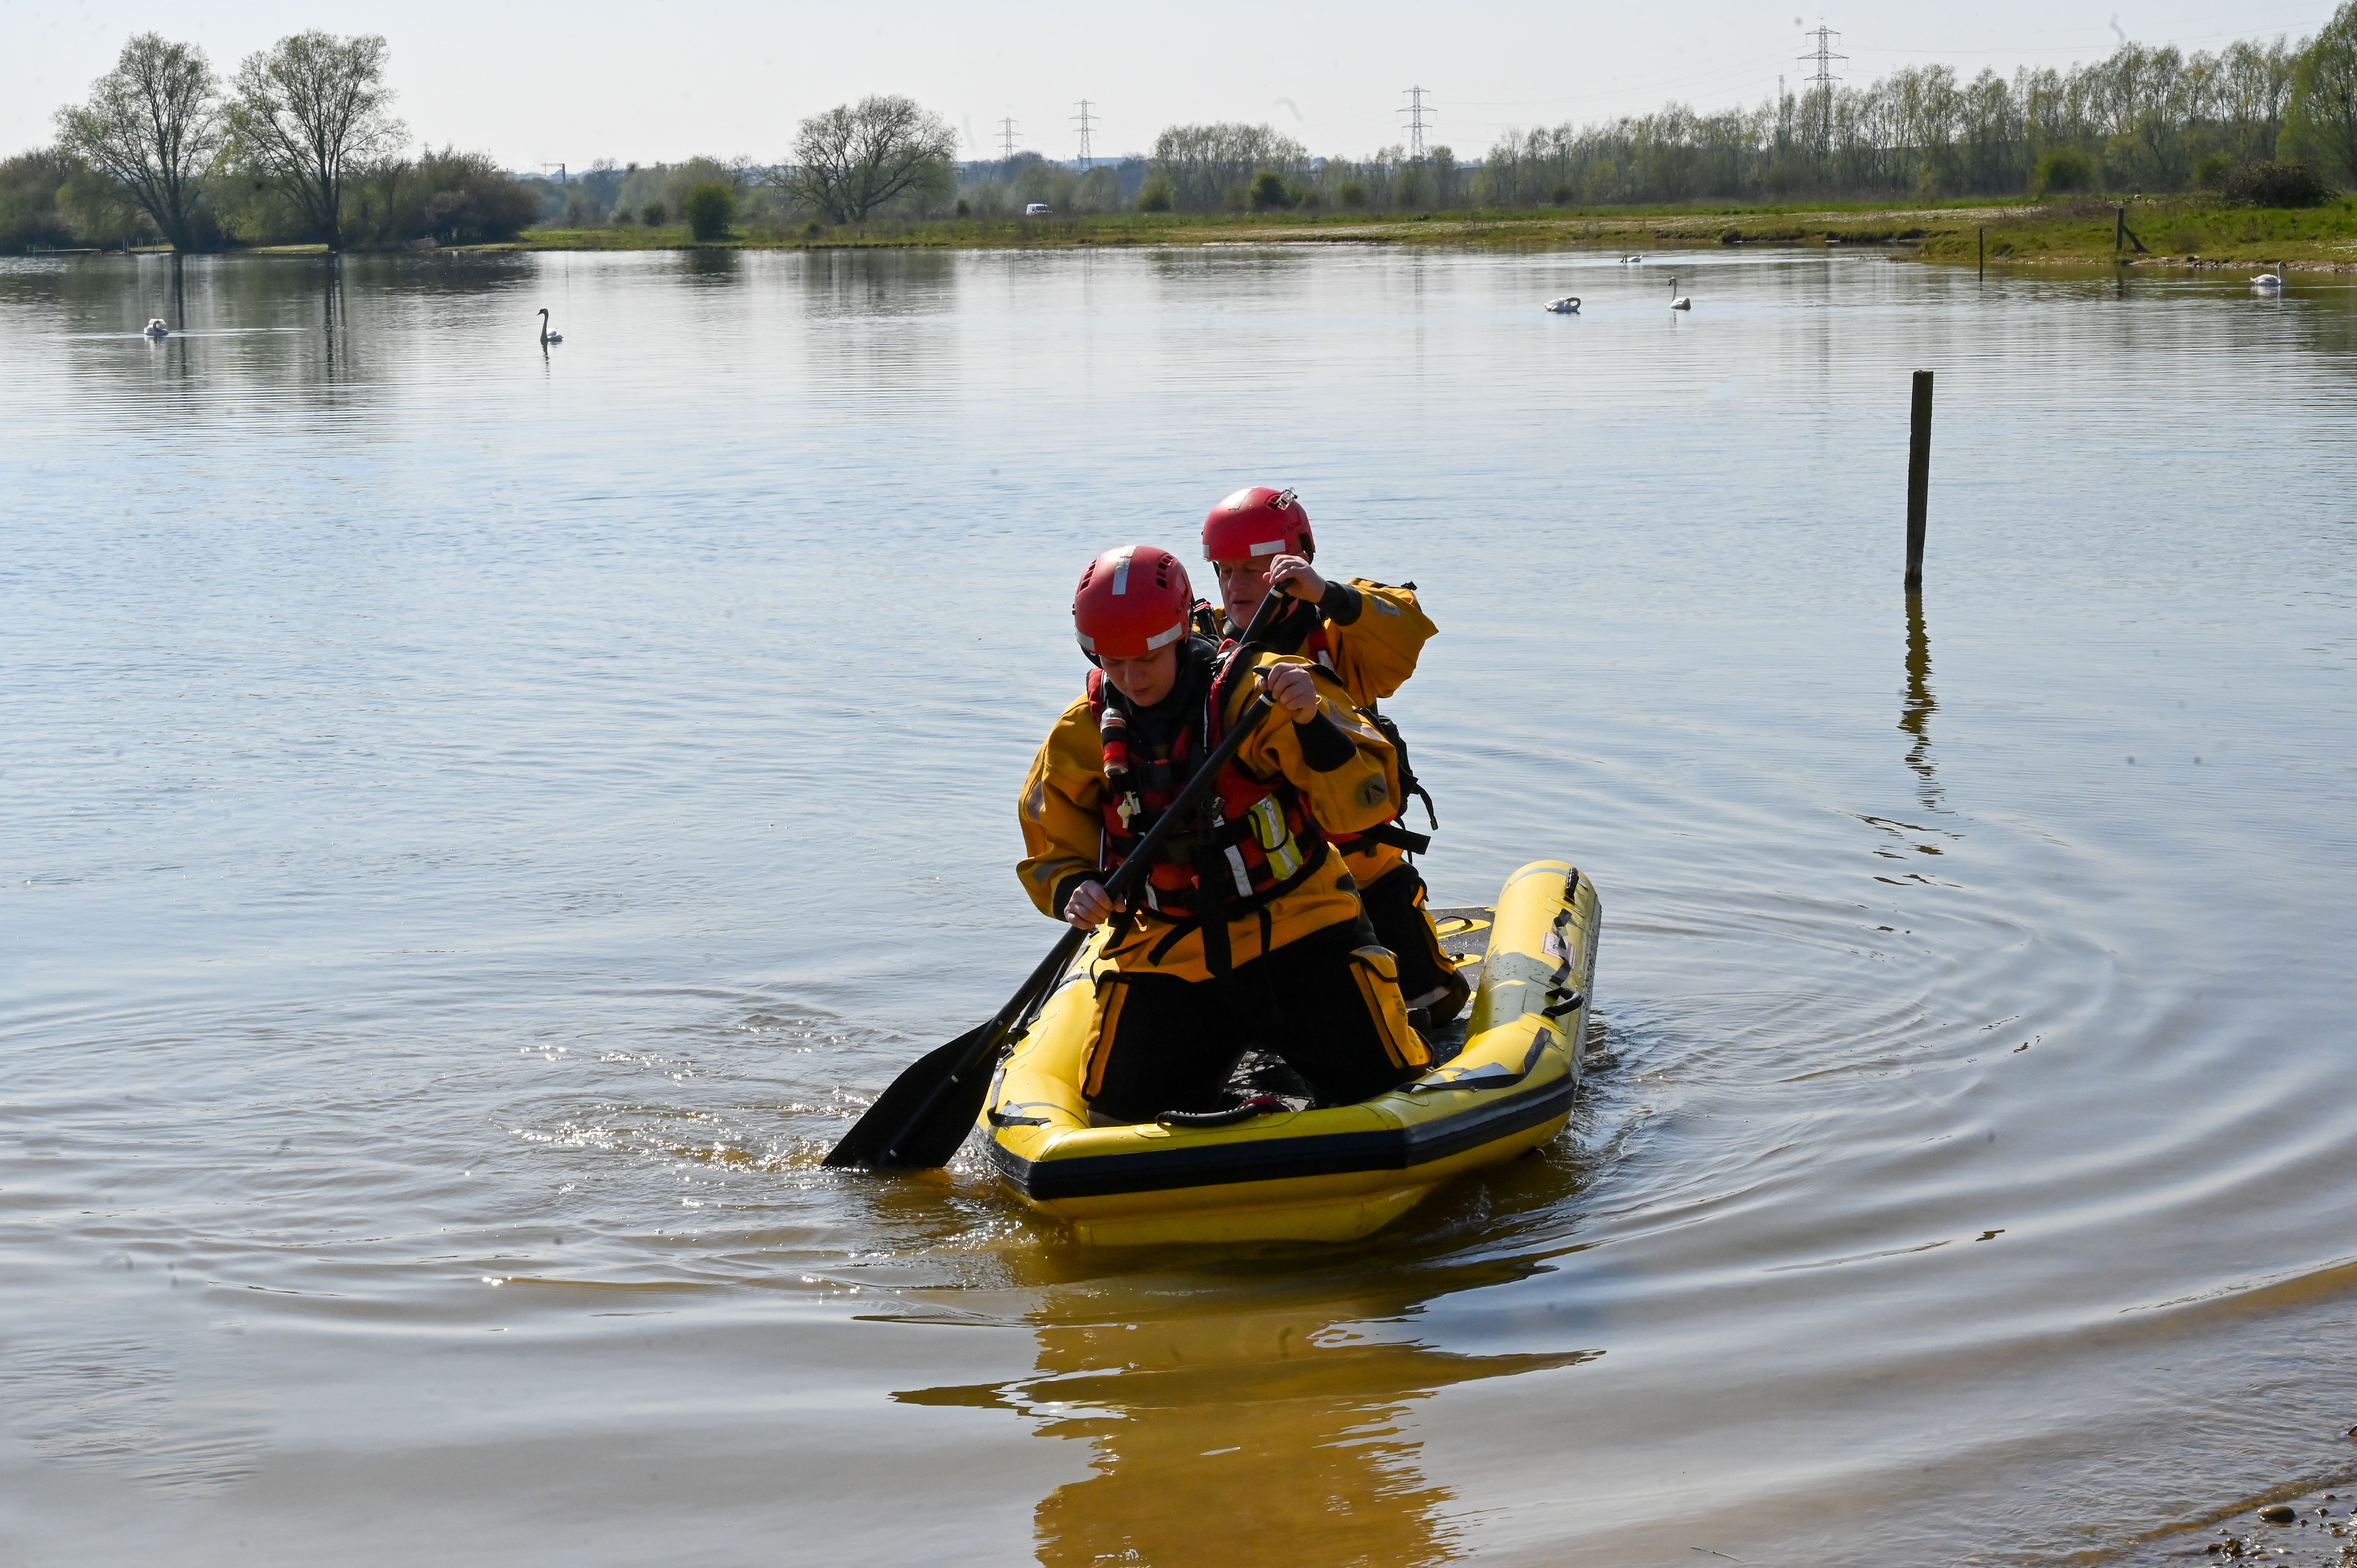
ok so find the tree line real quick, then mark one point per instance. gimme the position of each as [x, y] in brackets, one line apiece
[2145, 119]
[2273, 122]
[300, 143]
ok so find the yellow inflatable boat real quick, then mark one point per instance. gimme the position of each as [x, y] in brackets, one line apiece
[1334, 1173]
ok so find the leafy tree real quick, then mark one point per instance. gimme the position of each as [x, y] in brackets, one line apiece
[1206, 166]
[94, 207]
[604, 183]
[1269, 192]
[153, 126]
[1099, 191]
[711, 207]
[1154, 197]
[2324, 90]
[30, 184]
[310, 111]
[653, 216]
[854, 159]
[466, 198]
[378, 193]
[2064, 169]
[2276, 185]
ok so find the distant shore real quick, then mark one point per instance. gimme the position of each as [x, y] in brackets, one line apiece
[2174, 232]
[2177, 231]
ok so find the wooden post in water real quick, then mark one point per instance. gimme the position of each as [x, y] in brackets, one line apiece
[1918, 478]
[1984, 253]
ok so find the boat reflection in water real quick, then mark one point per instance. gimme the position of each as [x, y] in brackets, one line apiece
[1231, 1438]
[1227, 1430]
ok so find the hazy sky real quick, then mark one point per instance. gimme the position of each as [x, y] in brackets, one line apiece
[534, 84]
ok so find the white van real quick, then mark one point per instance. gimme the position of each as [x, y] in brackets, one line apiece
[1037, 210]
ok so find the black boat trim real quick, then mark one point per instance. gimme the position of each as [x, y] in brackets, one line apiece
[1280, 1159]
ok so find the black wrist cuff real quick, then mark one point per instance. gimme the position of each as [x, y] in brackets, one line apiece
[1340, 603]
[1323, 745]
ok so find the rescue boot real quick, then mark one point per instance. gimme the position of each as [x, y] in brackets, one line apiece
[1460, 992]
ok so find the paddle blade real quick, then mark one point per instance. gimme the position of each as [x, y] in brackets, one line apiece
[919, 1121]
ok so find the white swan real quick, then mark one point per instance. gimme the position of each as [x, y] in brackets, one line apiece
[546, 337]
[1567, 305]
[1677, 300]
[156, 327]
[2267, 282]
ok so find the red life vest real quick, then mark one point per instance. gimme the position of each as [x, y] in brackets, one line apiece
[1252, 841]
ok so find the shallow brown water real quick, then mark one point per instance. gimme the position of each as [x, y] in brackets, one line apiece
[479, 823]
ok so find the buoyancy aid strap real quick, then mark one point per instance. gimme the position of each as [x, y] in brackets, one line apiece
[1391, 833]
[1408, 784]
[1216, 929]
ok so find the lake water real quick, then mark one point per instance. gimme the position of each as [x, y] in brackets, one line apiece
[477, 823]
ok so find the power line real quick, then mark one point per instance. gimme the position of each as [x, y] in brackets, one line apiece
[1415, 112]
[1083, 118]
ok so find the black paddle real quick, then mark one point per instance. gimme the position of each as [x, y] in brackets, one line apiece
[922, 1120]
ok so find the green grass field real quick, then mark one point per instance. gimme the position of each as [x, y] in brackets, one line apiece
[2175, 229]
[2181, 230]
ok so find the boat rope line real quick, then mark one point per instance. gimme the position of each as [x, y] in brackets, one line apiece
[1280, 1158]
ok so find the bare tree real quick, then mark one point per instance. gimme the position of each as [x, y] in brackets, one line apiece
[153, 127]
[855, 158]
[310, 114]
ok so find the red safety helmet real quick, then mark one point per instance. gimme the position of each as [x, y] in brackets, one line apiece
[1257, 521]
[1131, 602]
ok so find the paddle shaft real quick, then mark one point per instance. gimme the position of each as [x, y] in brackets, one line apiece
[1118, 887]
[965, 1074]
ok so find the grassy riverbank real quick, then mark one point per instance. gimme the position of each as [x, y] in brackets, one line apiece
[2181, 230]
[1621, 228]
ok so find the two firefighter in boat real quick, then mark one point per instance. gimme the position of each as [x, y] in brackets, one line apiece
[1286, 917]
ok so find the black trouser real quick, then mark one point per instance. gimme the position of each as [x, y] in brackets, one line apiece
[1328, 1005]
[1394, 908]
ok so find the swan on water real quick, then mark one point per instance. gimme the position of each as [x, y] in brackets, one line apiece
[1567, 305]
[546, 337]
[156, 327]
[1677, 300]
[2269, 281]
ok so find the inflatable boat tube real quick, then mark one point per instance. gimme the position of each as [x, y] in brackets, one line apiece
[1329, 1174]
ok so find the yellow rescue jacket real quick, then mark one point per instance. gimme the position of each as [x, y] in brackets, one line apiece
[1062, 813]
[1373, 656]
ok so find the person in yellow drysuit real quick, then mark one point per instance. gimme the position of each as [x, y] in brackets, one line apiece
[1247, 931]
[1370, 635]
